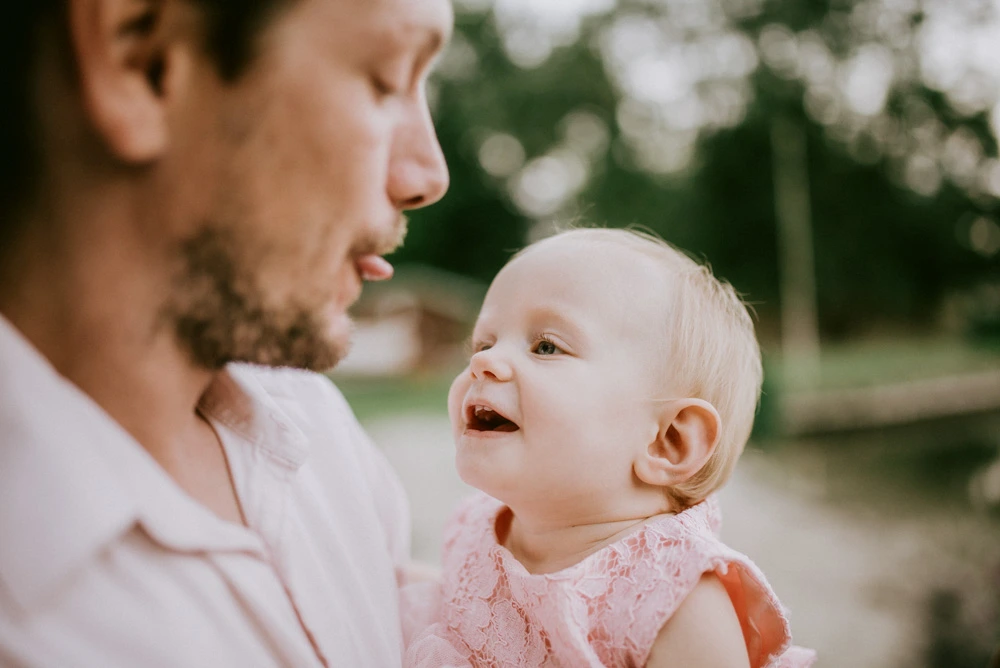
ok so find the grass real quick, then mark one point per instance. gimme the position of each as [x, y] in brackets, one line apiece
[863, 364]
[374, 397]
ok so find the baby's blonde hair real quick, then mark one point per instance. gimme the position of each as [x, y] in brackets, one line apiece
[711, 350]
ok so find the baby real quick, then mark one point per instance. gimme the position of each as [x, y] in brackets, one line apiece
[611, 389]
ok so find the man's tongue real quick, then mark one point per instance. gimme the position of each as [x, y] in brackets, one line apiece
[374, 268]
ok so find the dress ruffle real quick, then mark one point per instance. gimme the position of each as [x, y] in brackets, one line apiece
[606, 610]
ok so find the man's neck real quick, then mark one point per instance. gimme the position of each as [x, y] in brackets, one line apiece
[95, 315]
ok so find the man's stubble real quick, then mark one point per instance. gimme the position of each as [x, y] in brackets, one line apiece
[219, 313]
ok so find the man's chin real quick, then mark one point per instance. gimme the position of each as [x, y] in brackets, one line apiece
[320, 356]
[318, 348]
[306, 343]
[220, 314]
[339, 330]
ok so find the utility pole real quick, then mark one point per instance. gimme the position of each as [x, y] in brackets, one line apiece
[799, 322]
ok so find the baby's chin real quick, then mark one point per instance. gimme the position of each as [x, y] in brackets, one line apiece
[476, 472]
[467, 469]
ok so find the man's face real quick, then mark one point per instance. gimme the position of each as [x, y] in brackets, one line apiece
[556, 401]
[297, 173]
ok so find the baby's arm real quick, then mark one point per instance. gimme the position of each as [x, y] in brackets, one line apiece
[703, 633]
[413, 572]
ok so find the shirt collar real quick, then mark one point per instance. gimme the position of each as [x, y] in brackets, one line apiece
[238, 400]
[72, 480]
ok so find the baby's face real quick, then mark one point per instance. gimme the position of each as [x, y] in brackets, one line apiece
[557, 399]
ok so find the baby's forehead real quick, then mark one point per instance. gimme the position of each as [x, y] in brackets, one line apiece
[619, 281]
[572, 251]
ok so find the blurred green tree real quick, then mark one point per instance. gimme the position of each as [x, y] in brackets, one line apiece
[660, 113]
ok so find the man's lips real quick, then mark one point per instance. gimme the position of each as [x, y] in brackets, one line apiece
[368, 251]
[481, 416]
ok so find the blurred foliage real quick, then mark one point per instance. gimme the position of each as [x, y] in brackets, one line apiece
[952, 642]
[658, 113]
[373, 398]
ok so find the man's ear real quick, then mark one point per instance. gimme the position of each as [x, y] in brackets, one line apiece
[688, 433]
[122, 60]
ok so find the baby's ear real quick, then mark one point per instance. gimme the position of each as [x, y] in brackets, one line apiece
[687, 436]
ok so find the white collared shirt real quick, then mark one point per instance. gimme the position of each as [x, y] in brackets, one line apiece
[105, 561]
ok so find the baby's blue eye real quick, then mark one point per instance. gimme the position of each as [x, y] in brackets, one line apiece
[544, 347]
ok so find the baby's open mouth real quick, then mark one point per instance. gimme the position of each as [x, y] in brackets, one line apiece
[483, 418]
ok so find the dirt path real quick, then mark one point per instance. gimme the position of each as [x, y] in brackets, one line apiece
[852, 583]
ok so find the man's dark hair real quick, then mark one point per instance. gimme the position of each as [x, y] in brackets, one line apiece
[233, 26]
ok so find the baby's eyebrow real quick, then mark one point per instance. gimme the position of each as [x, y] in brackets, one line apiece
[552, 316]
[473, 340]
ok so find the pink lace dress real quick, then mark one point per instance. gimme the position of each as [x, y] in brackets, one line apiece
[604, 611]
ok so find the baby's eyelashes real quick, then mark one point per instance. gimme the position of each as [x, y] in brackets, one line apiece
[546, 347]
[542, 345]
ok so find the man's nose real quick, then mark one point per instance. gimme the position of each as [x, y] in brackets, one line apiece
[490, 364]
[418, 174]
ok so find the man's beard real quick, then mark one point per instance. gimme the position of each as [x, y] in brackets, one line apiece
[219, 314]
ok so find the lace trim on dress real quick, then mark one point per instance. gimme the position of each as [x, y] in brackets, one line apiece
[606, 610]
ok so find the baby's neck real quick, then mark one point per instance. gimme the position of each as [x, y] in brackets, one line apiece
[546, 548]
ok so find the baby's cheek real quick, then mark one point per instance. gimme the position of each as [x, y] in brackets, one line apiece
[456, 396]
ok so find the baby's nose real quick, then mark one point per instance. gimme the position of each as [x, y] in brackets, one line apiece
[492, 364]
